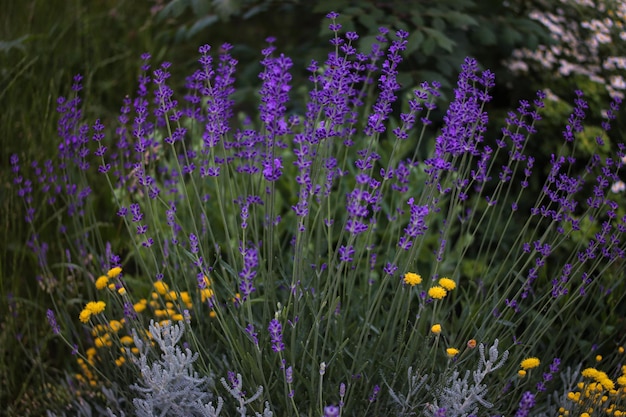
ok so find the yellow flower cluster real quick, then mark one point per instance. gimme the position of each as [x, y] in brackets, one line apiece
[91, 309]
[599, 376]
[438, 291]
[165, 305]
[103, 281]
[87, 376]
[598, 392]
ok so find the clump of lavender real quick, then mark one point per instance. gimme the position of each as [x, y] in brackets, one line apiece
[325, 214]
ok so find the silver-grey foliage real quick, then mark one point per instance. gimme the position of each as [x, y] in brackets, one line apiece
[461, 397]
[169, 386]
[79, 407]
[406, 402]
[237, 393]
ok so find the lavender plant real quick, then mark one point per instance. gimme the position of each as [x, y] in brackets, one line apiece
[315, 258]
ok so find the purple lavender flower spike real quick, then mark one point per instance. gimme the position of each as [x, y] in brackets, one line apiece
[331, 411]
[248, 273]
[525, 405]
[53, 322]
[276, 335]
[374, 395]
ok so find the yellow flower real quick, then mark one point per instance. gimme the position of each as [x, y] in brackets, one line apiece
[113, 272]
[186, 298]
[205, 294]
[126, 340]
[521, 373]
[598, 358]
[592, 373]
[115, 325]
[437, 292]
[140, 306]
[91, 308]
[161, 287]
[529, 363]
[412, 279]
[95, 307]
[606, 382]
[84, 315]
[104, 340]
[436, 329]
[452, 352]
[447, 283]
[120, 361]
[101, 282]
[620, 349]
[91, 354]
[122, 291]
[206, 281]
[97, 329]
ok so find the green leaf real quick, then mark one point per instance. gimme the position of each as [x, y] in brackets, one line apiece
[6, 46]
[458, 19]
[404, 79]
[511, 36]
[369, 22]
[201, 24]
[416, 19]
[366, 42]
[428, 46]
[439, 24]
[174, 8]
[414, 41]
[485, 35]
[441, 40]
[326, 6]
[200, 7]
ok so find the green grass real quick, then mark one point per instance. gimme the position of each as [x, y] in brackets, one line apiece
[44, 44]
